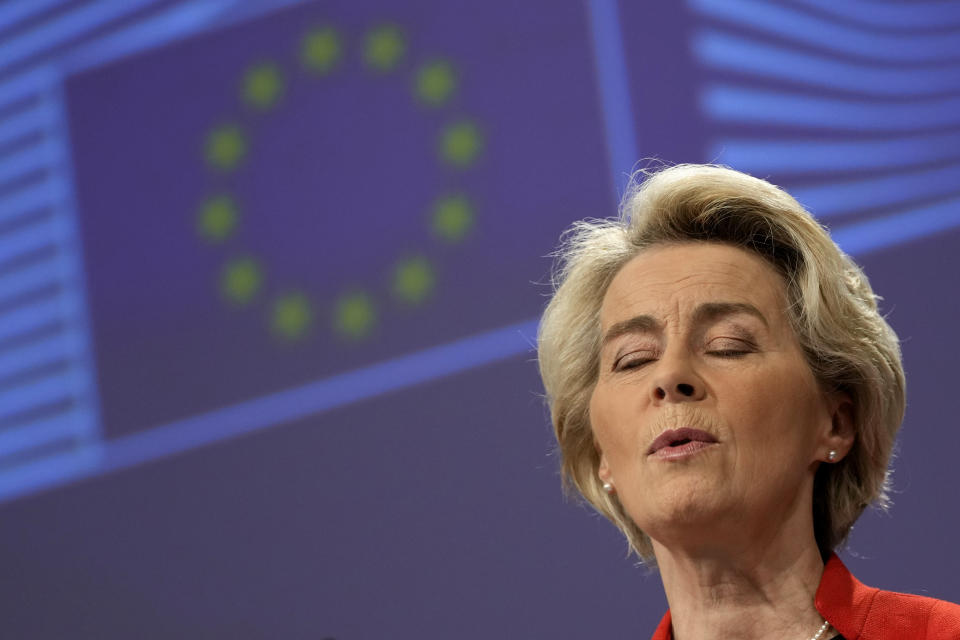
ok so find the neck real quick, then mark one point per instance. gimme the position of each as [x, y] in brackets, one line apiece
[763, 590]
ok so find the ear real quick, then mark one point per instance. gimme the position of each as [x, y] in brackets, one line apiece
[842, 432]
[604, 469]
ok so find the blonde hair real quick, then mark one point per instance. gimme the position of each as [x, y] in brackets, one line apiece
[847, 343]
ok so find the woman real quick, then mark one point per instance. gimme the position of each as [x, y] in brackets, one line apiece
[724, 389]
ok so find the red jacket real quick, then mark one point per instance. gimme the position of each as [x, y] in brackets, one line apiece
[860, 612]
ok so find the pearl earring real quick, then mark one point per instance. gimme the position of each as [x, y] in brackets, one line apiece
[608, 488]
[832, 455]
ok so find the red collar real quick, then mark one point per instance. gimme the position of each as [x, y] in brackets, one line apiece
[841, 599]
[663, 631]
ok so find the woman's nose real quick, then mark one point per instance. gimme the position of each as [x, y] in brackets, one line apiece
[677, 382]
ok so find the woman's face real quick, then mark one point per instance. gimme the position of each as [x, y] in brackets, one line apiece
[705, 411]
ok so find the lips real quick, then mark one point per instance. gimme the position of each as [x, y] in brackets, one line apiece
[679, 438]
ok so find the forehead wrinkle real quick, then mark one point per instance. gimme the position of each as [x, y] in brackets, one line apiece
[669, 290]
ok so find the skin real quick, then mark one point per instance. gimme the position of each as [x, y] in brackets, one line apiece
[713, 349]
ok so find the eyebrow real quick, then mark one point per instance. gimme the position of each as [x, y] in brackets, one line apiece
[636, 324]
[704, 314]
[712, 311]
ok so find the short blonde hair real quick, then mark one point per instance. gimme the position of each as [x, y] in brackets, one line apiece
[847, 343]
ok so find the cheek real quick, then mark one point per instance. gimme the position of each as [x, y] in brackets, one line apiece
[599, 417]
[602, 420]
[610, 420]
[781, 417]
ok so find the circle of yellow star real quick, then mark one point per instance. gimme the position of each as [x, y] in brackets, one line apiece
[452, 218]
[460, 143]
[218, 218]
[320, 50]
[384, 47]
[262, 86]
[413, 280]
[226, 147]
[291, 316]
[435, 83]
[355, 316]
[241, 280]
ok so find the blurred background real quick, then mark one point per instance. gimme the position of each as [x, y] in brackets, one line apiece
[270, 274]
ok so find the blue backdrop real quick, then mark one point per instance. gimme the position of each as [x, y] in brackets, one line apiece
[270, 273]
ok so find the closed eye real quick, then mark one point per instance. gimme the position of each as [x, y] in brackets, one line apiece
[730, 347]
[628, 362]
[730, 353]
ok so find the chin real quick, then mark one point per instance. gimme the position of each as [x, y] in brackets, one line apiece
[682, 503]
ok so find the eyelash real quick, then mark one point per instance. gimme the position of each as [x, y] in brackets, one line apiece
[626, 363]
[623, 364]
[730, 353]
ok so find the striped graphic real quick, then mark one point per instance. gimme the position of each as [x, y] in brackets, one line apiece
[50, 428]
[853, 107]
[831, 35]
